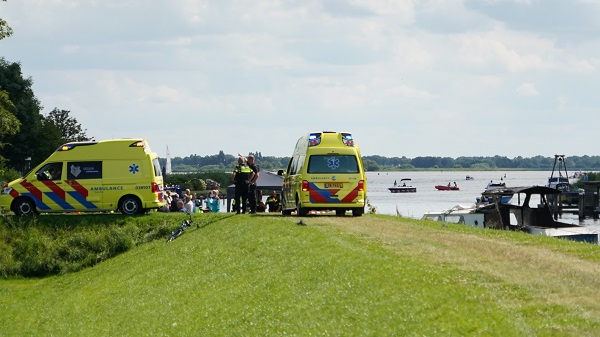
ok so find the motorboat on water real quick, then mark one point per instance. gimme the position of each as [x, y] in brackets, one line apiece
[405, 186]
[469, 178]
[531, 213]
[447, 187]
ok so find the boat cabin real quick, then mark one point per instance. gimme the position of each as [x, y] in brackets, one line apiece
[531, 213]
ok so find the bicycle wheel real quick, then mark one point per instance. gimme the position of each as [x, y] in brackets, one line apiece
[174, 235]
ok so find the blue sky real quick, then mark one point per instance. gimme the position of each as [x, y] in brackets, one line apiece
[407, 78]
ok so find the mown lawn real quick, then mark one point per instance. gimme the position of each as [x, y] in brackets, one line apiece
[369, 276]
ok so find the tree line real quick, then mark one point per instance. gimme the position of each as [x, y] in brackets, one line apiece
[226, 162]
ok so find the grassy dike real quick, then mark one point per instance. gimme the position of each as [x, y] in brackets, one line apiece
[264, 275]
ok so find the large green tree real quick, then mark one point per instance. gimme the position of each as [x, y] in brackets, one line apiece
[32, 140]
[70, 130]
[9, 124]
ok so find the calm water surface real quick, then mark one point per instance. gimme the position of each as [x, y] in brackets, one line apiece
[427, 198]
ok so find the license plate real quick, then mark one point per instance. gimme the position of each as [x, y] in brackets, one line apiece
[333, 185]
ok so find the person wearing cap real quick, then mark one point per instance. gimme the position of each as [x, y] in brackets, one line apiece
[242, 175]
[252, 183]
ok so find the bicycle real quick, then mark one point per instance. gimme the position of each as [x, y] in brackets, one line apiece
[176, 233]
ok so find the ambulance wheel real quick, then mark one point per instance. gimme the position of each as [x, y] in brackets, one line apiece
[358, 211]
[299, 210]
[283, 210]
[130, 205]
[24, 206]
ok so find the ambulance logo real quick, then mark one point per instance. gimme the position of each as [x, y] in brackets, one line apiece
[333, 163]
[134, 168]
[75, 170]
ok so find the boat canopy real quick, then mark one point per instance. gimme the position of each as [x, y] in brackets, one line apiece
[518, 190]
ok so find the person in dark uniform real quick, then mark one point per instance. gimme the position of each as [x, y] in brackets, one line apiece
[272, 202]
[242, 174]
[252, 190]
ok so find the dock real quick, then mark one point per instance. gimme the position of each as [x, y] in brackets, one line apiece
[584, 203]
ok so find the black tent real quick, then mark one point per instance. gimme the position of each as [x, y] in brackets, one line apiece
[266, 181]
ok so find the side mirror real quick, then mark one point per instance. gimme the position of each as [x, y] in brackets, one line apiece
[280, 172]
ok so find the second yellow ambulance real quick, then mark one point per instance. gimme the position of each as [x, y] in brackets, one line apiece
[325, 172]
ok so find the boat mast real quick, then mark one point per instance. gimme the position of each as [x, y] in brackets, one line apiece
[562, 165]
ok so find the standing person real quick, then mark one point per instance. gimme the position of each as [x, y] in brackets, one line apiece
[252, 190]
[241, 178]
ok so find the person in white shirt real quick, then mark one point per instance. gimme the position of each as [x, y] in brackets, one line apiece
[188, 207]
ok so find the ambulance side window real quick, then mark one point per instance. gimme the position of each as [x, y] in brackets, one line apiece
[300, 163]
[84, 170]
[157, 169]
[290, 167]
[50, 171]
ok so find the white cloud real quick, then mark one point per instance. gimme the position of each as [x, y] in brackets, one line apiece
[513, 52]
[401, 10]
[527, 89]
[407, 92]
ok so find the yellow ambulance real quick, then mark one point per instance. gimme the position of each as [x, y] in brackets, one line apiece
[92, 176]
[325, 173]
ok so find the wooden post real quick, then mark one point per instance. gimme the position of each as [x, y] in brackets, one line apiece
[581, 205]
[595, 205]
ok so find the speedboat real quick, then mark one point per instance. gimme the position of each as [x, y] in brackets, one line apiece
[447, 188]
[469, 178]
[405, 186]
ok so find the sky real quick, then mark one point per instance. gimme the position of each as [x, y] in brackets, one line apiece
[407, 78]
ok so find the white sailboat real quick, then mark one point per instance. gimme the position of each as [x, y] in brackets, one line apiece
[168, 165]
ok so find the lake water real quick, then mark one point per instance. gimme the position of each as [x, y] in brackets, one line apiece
[427, 198]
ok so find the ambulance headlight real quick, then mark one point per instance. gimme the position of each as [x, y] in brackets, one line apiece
[6, 190]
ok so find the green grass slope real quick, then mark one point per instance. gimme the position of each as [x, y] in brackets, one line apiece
[370, 276]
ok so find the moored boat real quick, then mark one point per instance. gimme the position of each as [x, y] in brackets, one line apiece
[494, 186]
[531, 214]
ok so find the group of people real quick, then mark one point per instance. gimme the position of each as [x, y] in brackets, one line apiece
[272, 204]
[244, 177]
[247, 198]
[190, 203]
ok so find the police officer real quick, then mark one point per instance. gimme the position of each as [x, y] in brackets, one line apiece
[252, 188]
[242, 175]
[271, 200]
